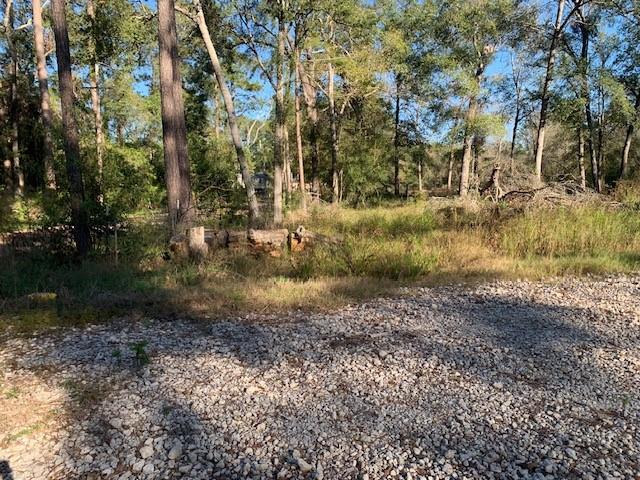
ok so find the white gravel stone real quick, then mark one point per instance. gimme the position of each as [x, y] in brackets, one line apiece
[500, 380]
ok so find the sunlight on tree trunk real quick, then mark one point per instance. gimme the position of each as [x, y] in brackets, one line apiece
[544, 102]
[174, 132]
[45, 98]
[247, 177]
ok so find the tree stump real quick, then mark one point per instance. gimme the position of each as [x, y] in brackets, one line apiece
[198, 248]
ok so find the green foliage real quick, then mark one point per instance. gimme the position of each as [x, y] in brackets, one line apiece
[139, 350]
[130, 180]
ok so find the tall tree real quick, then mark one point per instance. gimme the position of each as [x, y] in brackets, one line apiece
[279, 148]
[17, 175]
[80, 217]
[298, 119]
[94, 80]
[247, 177]
[45, 98]
[174, 132]
[544, 97]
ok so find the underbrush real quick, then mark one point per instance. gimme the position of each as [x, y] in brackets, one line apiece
[377, 250]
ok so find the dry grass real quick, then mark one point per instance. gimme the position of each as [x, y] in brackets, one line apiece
[424, 243]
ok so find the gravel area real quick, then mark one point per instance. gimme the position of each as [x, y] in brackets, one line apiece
[502, 380]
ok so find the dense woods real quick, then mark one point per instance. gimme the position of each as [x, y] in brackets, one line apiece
[243, 110]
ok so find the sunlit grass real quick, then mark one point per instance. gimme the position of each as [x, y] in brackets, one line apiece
[373, 251]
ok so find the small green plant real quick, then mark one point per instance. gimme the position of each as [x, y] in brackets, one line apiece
[117, 354]
[140, 352]
[13, 392]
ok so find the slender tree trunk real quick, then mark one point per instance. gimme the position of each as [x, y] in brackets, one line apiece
[45, 98]
[174, 131]
[396, 142]
[310, 97]
[15, 170]
[94, 80]
[334, 136]
[467, 153]
[80, 217]
[15, 136]
[544, 103]
[624, 161]
[583, 173]
[247, 177]
[420, 186]
[6, 163]
[280, 120]
[297, 87]
[287, 163]
[514, 134]
[601, 142]
[586, 98]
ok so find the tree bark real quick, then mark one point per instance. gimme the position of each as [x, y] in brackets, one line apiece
[396, 142]
[80, 217]
[45, 98]
[581, 169]
[297, 87]
[174, 131]
[514, 134]
[334, 137]
[469, 136]
[287, 163]
[544, 103]
[247, 177]
[310, 97]
[624, 161]
[280, 119]
[13, 167]
[94, 80]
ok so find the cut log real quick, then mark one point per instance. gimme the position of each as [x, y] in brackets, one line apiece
[179, 247]
[216, 239]
[198, 248]
[268, 241]
[236, 240]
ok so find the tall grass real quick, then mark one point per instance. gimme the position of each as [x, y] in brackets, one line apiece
[378, 249]
[581, 232]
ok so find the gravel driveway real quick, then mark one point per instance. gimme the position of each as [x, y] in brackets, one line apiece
[503, 380]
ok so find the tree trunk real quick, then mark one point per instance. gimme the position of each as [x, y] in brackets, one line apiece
[544, 103]
[297, 87]
[280, 120]
[80, 217]
[396, 142]
[583, 174]
[586, 98]
[247, 177]
[514, 134]
[452, 155]
[334, 136]
[287, 163]
[45, 98]
[310, 97]
[467, 154]
[601, 141]
[6, 163]
[624, 163]
[174, 131]
[420, 187]
[94, 80]
[14, 168]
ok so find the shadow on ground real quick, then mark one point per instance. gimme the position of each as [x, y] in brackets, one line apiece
[470, 381]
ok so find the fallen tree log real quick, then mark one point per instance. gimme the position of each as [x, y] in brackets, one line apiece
[268, 241]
